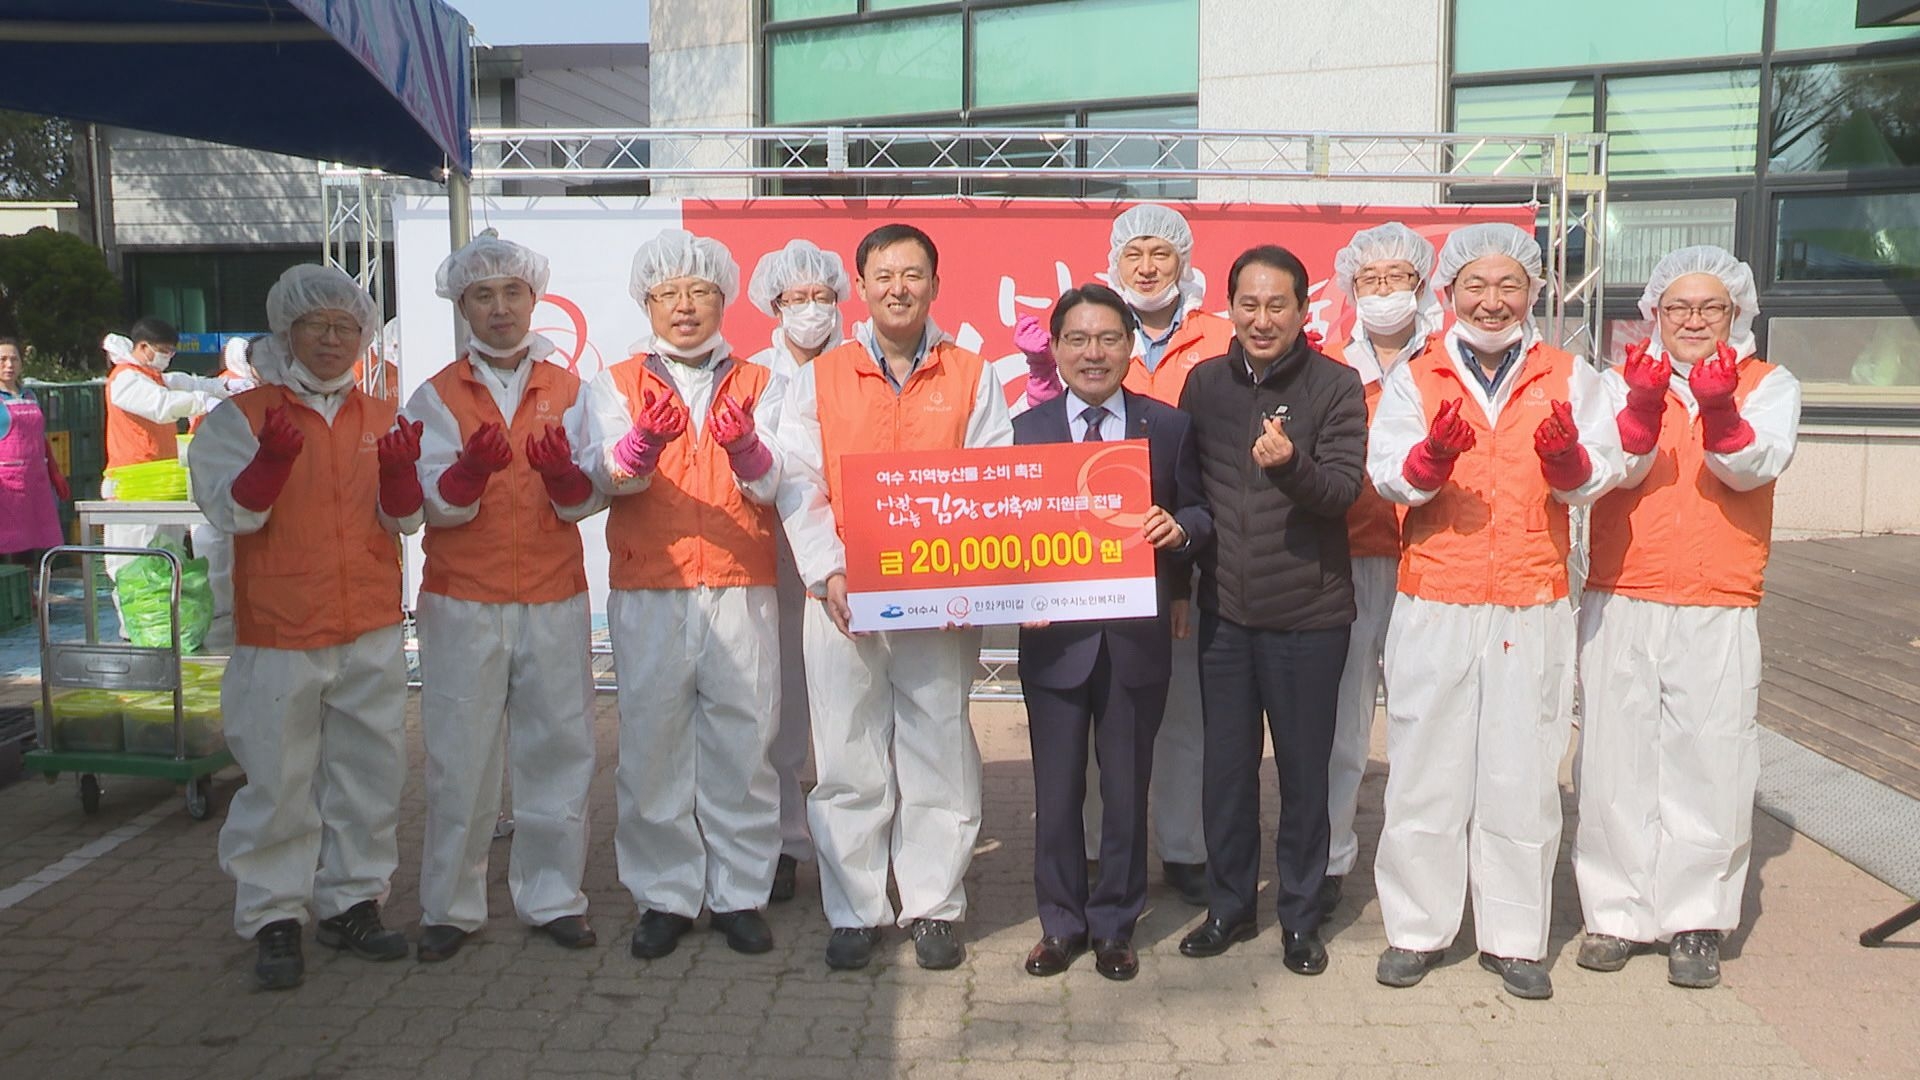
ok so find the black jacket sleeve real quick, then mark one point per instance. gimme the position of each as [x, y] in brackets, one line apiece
[1190, 509]
[1327, 480]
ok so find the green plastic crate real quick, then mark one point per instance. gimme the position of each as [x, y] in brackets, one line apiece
[16, 597]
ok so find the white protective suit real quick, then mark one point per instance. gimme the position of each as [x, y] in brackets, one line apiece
[319, 732]
[1479, 708]
[210, 543]
[184, 397]
[898, 767]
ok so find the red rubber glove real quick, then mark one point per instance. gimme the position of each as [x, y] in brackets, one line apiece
[1043, 375]
[1563, 461]
[399, 450]
[1647, 380]
[661, 420]
[732, 425]
[487, 452]
[1430, 462]
[260, 483]
[54, 476]
[552, 458]
[1722, 430]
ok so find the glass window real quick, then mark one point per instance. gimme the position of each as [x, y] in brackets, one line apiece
[1641, 233]
[1084, 50]
[1698, 124]
[1859, 115]
[1039, 152]
[178, 288]
[890, 5]
[900, 67]
[809, 9]
[1819, 24]
[1848, 237]
[1511, 35]
[1139, 153]
[1863, 359]
[1544, 108]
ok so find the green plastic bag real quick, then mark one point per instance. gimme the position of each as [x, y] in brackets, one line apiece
[144, 589]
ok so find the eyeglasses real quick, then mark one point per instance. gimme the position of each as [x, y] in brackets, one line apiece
[1107, 339]
[1712, 311]
[322, 329]
[699, 294]
[1399, 279]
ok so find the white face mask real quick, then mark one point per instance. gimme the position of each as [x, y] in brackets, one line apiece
[1388, 314]
[809, 325]
[1159, 301]
[691, 352]
[160, 359]
[1490, 341]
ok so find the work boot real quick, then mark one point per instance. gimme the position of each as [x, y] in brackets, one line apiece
[1522, 978]
[746, 931]
[358, 930]
[658, 934]
[571, 932]
[279, 966]
[1187, 879]
[1694, 960]
[1604, 952]
[1404, 967]
[850, 948]
[934, 945]
[784, 884]
[439, 943]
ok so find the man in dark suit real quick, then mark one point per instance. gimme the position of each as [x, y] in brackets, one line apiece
[1109, 674]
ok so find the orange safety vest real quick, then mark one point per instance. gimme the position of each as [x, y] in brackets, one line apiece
[692, 525]
[1373, 523]
[135, 440]
[516, 550]
[861, 414]
[1200, 337]
[322, 571]
[1494, 533]
[1682, 536]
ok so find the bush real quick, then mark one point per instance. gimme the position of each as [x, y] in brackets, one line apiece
[57, 294]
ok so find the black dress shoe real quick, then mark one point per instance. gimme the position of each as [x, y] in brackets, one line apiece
[571, 932]
[746, 931]
[1216, 936]
[1187, 879]
[439, 942]
[784, 884]
[1304, 953]
[279, 965]
[658, 934]
[358, 930]
[1329, 896]
[1115, 958]
[1055, 954]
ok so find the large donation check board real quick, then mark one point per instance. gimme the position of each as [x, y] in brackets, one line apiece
[998, 535]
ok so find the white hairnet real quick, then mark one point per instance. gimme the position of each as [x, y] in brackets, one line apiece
[485, 258]
[798, 264]
[1471, 242]
[1717, 262]
[1149, 219]
[677, 253]
[308, 288]
[1383, 242]
[390, 341]
[233, 358]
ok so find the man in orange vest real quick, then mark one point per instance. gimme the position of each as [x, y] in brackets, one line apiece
[1150, 263]
[1386, 272]
[1669, 635]
[898, 768]
[1487, 437]
[676, 437]
[505, 633]
[315, 482]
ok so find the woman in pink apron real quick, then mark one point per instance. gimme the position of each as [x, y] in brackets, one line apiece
[29, 480]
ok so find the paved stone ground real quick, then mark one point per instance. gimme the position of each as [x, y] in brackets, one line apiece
[127, 966]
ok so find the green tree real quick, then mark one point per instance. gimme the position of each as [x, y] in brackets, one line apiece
[57, 294]
[36, 158]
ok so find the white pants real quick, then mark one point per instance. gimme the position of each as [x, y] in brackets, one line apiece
[1479, 702]
[1374, 582]
[1668, 761]
[1173, 794]
[699, 689]
[319, 733]
[216, 546]
[494, 678]
[899, 771]
[792, 738]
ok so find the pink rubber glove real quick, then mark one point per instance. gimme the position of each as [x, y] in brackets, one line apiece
[552, 458]
[661, 421]
[1563, 461]
[399, 450]
[1722, 430]
[1647, 380]
[487, 452]
[260, 483]
[733, 428]
[1043, 375]
[1430, 462]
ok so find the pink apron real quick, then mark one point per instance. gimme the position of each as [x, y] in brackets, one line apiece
[29, 517]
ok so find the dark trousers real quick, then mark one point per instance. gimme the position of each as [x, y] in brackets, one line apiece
[1124, 720]
[1293, 678]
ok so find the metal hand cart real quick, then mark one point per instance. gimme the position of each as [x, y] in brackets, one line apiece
[97, 665]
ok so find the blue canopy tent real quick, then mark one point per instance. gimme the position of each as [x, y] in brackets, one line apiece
[375, 83]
